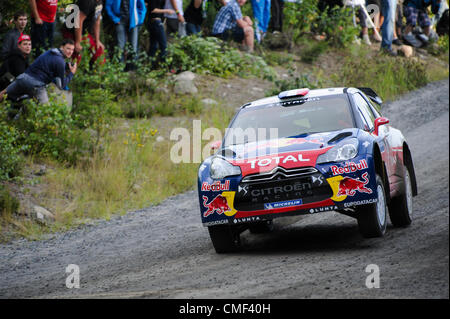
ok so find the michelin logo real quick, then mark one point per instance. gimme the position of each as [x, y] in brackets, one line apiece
[283, 204]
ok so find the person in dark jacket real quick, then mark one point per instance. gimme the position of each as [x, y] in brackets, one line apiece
[194, 17]
[16, 62]
[48, 67]
[11, 37]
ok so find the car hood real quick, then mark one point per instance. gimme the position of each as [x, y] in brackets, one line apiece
[310, 142]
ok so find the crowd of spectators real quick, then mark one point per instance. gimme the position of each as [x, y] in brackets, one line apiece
[165, 19]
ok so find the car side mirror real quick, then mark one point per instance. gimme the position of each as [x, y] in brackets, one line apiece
[216, 145]
[380, 121]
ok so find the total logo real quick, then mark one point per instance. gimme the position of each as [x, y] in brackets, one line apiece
[283, 159]
[349, 167]
[216, 186]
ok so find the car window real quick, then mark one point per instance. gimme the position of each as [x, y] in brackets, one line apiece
[312, 115]
[365, 111]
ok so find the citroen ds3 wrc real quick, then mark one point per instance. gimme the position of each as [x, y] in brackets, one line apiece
[306, 152]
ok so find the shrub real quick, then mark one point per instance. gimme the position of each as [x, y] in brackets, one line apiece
[10, 148]
[8, 203]
[211, 55]
[293, 82]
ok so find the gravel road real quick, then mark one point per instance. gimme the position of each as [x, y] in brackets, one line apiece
[164, 252]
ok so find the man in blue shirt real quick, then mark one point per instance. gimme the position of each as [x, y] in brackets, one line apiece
[48, 67]
[230, 20]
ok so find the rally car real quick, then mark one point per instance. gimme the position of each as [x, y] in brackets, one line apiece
[306, 152]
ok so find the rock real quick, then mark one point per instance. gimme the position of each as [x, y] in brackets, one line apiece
[209, 102]
[162, 90]
[185, 87]
[42, 215]
[151, 82]
[187, 75]
[257, 89]
[277, 40]
[406, 51]
[62, 96]
[160, 139]
[40, 170]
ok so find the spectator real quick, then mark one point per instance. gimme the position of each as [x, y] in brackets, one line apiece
[173, 20]
[230, 20]
[398, 23]
[89, 20]
[416, 11]
[276, 20]
[194, 17]
[49, 66]
[16, 62]
[364, 30]
[127, 16]
[261, 12]
[387, 29]
[377, 18]
[43, 14]
[11, 37]
[155, 27]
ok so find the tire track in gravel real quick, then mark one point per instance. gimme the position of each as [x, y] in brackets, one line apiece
[164, 252]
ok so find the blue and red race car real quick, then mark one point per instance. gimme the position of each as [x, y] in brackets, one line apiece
[305, 152]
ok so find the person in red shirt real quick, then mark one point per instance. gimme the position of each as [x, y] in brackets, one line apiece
[43, 14]
[87, 29]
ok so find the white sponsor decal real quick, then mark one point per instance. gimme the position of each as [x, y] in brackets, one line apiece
[278, 159]
[361, 202]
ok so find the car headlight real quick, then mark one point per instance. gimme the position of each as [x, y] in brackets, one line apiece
[341, 152]
[220, 168]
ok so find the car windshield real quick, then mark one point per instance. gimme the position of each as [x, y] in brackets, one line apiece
[305, 116]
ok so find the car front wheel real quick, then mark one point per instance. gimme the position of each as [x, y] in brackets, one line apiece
[225, 238]
[372, 218]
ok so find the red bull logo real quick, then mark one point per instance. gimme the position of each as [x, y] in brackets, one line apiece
[219, 205]
[349, 186]
[349, 167]
[216, 186]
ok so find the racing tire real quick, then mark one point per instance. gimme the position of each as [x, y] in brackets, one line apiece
[225, 238]
[372, 218]
[261, 227]
[401, 207]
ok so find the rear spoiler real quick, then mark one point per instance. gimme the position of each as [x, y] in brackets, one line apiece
[371, 95]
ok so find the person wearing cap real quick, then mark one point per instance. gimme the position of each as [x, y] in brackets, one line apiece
[48, 67]
[16, 62]
[11, 37]
[43, 14]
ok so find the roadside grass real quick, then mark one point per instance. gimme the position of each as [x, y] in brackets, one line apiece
[133, 171]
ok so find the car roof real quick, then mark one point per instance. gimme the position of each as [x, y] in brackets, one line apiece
[311, 94]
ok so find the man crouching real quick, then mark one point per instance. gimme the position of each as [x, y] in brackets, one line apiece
[48, 67]
[229, 21]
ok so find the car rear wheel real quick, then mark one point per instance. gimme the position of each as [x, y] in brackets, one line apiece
[261, 227]
[372, 218]
[401, 207]
[225, 238]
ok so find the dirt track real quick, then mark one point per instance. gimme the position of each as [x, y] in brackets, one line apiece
[164, 251]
